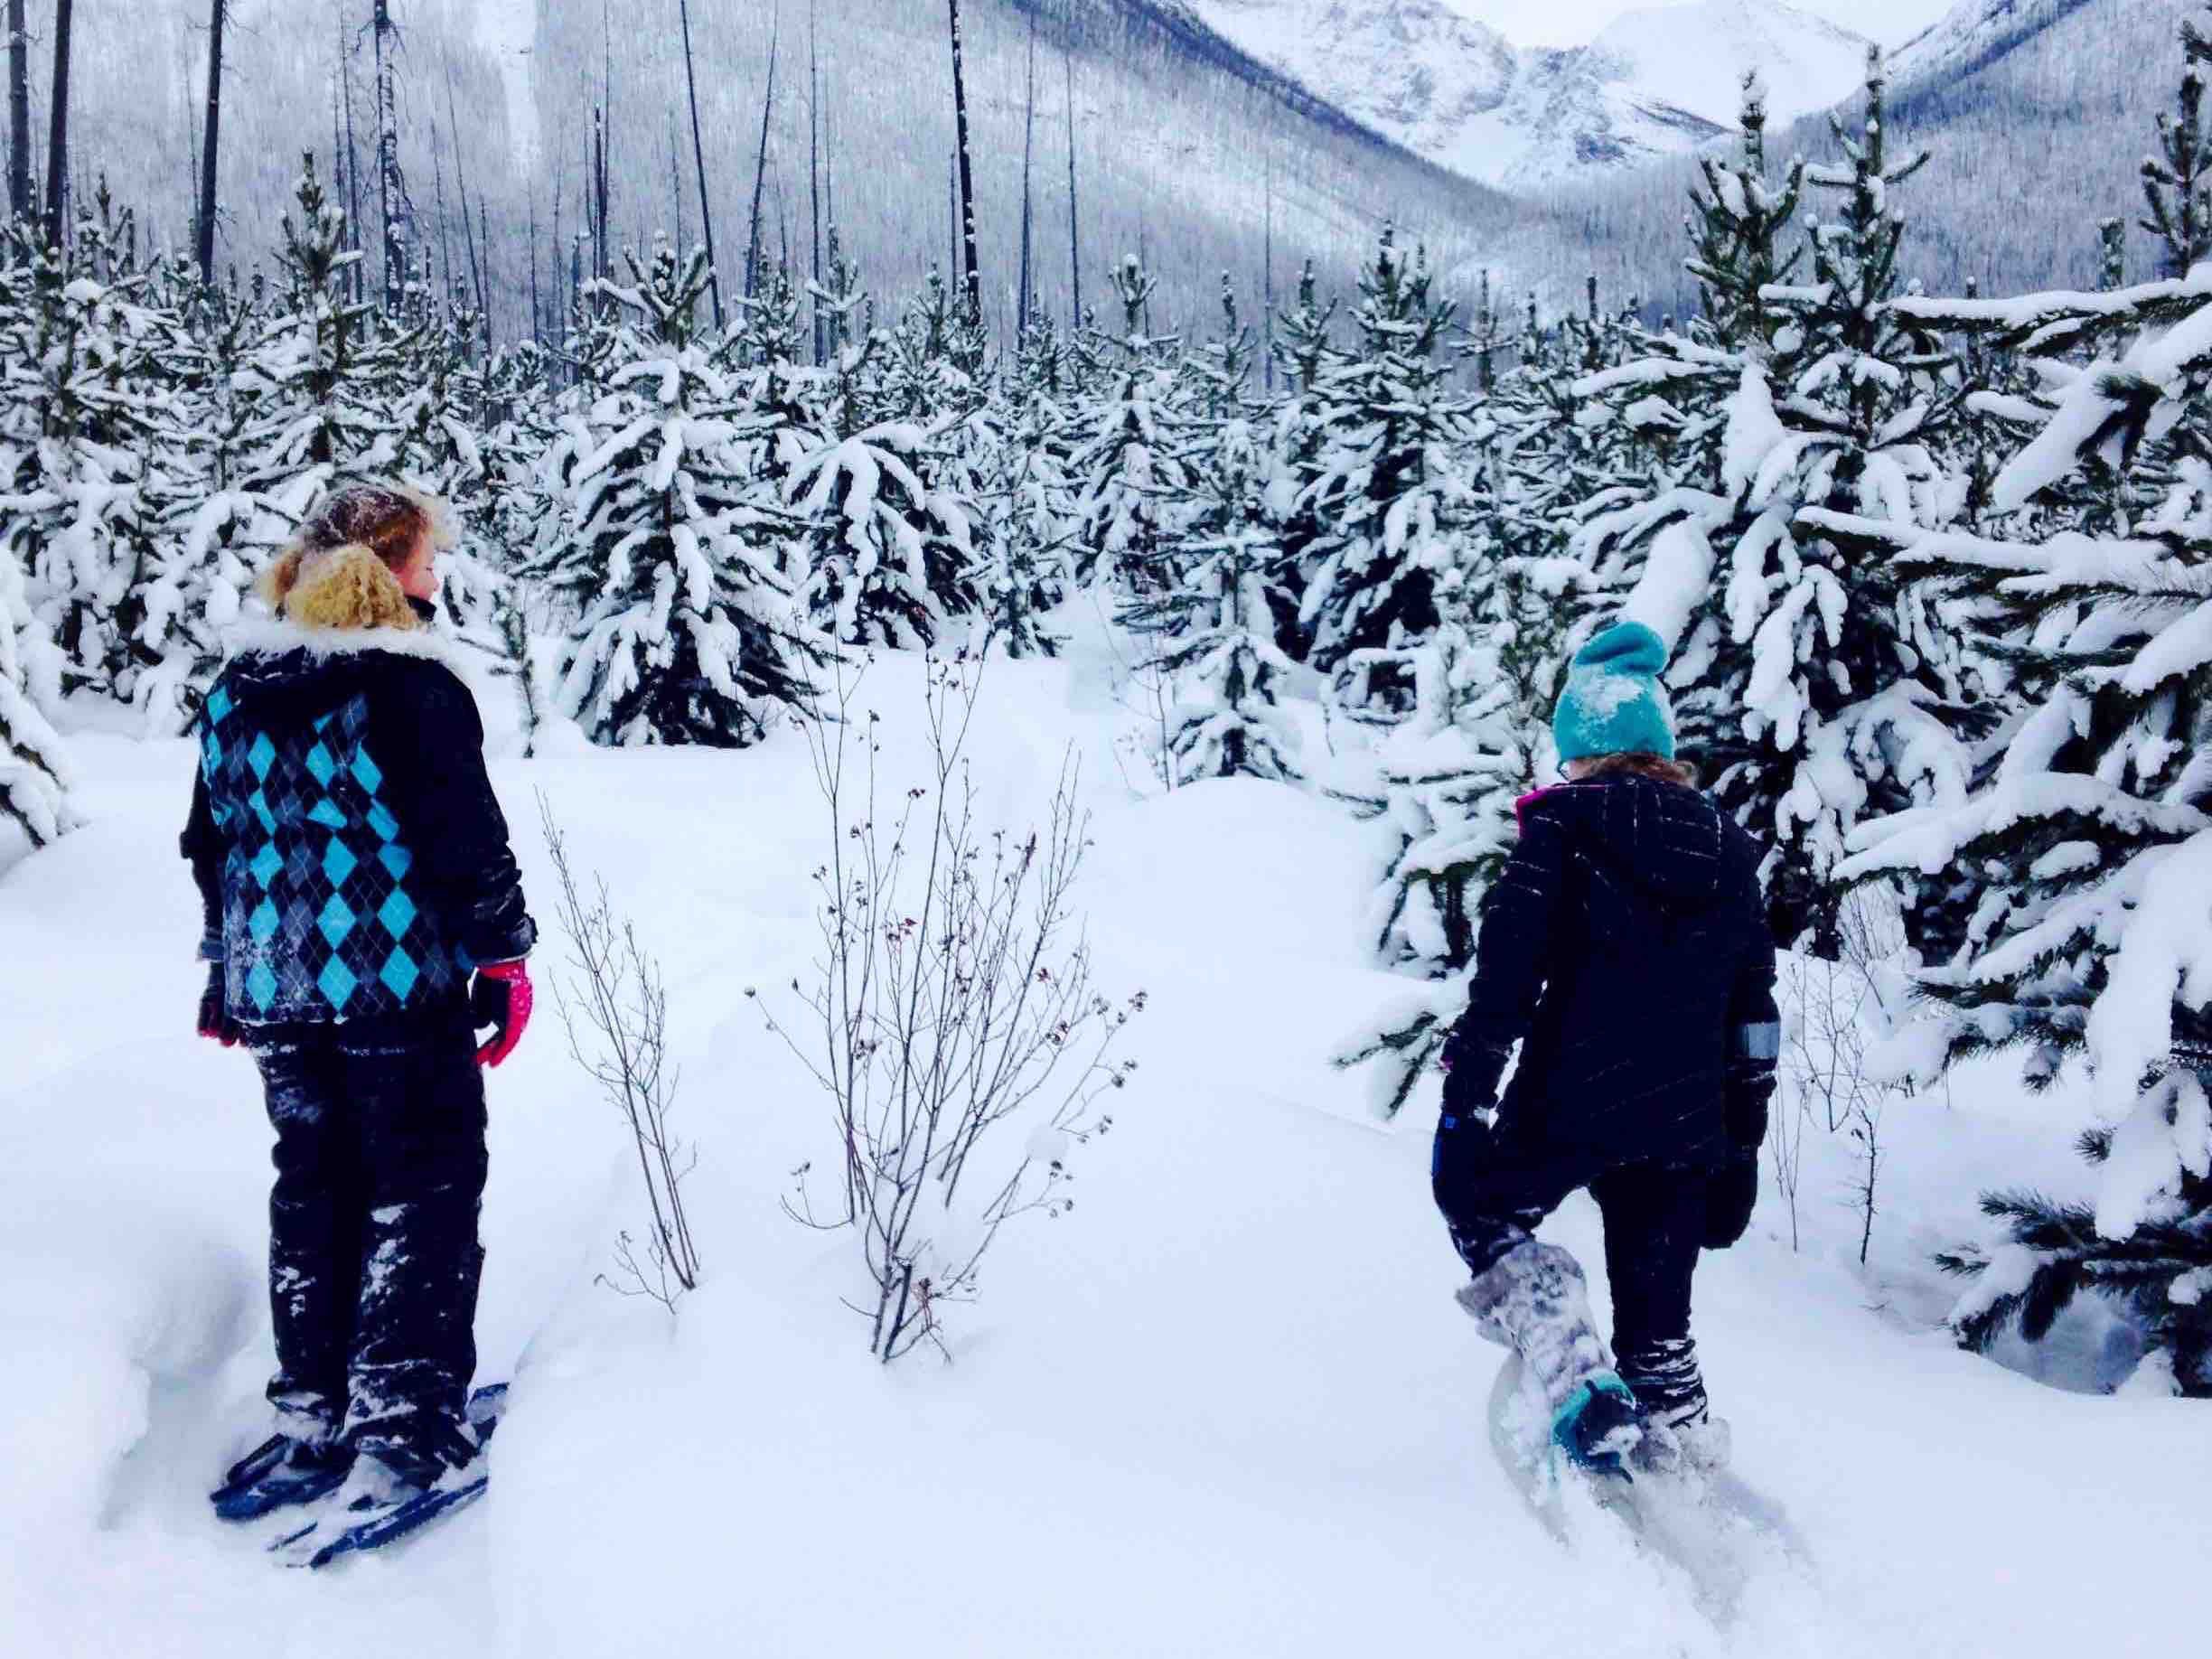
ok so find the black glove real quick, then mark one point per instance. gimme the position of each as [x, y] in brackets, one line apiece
[1462, 1143]
[215, 1021]
[1730, 1196]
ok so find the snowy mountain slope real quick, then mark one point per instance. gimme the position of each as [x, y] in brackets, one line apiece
[1654, 82]
[2035, 113]
[1225, 1407]
[1975, 36]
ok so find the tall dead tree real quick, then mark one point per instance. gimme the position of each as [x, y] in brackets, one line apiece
[814, 183]
[1067, 59]
[19, 111]
[391, 187]
[602, 256]
[445, 224]
[973, 278]
[537, 329]
[1266, 272]
[760, 160]
[57, 128]
[699, 156]
[476, 274]
[359, 279]
[483, 235]
[1021, 299]
[208, 143]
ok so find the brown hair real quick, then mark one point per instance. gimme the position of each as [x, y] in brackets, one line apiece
[1641, 765]
[341, 570]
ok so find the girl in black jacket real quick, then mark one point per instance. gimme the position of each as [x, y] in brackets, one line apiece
[364, 917]
[1625, 948]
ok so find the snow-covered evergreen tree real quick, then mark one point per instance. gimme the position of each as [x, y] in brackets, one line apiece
[1387, 493]
[85, 373]
[35, 772]
[1836, 692]
[1209, 608]
[335, 363]
[1125, 470]
[214, 428]
[684, 624]
[1027, 501]
[2091, 847]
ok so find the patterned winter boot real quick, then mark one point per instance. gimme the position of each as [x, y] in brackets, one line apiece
[1534, 1300]
[1680, 1434]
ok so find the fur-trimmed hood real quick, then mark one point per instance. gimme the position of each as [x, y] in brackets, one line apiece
[288, 674]
[276, 636]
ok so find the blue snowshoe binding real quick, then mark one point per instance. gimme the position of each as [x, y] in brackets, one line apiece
[1598, 1425]
[282, 1470]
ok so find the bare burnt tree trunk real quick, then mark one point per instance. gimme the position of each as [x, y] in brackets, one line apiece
[1266, 271]
[358, 277]
[972, 276]
[391, 206]
[1021, 300]
[537, 328]
[814, 192]
[476, 274]
[1067, 59]
[19, 111]
[602, 256]
[760, 160]
[57, 130]
[699, 156]
[483, 235]
[676, 186]
[208, 143]
[445, 224]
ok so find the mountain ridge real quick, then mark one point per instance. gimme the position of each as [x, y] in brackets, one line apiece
[1654, 82]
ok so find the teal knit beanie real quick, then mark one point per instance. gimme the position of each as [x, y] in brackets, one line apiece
[1613, 703]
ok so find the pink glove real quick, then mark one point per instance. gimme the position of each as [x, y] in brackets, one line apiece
[501, 997]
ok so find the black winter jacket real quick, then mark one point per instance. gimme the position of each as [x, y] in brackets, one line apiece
[352, 863]
[1625, 948]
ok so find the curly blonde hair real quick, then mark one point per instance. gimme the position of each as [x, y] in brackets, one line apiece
[341, 568]
[1637, 765]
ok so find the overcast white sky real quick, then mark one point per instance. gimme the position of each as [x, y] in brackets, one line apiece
[1569, 22]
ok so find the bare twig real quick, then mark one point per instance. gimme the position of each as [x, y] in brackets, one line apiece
[615, 1005]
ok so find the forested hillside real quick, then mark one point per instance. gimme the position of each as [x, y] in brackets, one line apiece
[1184, 150]
[2036, 132]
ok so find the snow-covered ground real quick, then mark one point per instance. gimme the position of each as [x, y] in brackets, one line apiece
[1225, 1406]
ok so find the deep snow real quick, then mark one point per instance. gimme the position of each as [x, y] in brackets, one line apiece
[1224, 1407]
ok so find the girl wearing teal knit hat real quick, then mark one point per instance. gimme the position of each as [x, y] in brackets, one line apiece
[1625, 950]
[1613, 703]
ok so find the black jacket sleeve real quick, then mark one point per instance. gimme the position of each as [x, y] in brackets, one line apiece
[1755, 1038]
[429, 740]
[202, 846]
[1512, 958]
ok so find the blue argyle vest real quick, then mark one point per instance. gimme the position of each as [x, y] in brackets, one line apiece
[319, 925]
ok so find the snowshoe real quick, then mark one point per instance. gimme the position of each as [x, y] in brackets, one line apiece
[282, 1470]
[1693, 1518]
[388, 1497]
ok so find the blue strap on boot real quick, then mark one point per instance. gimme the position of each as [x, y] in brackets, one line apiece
[1600, 1408]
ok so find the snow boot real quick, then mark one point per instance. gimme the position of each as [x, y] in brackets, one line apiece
[1534, 1300]
[284, 1469]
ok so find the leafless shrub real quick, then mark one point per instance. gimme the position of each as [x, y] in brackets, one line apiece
[953, 998]
[613, 1002]
[1833, 1014]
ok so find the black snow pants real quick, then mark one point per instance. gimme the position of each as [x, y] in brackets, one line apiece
[1495, 1195]
[373, 1254]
